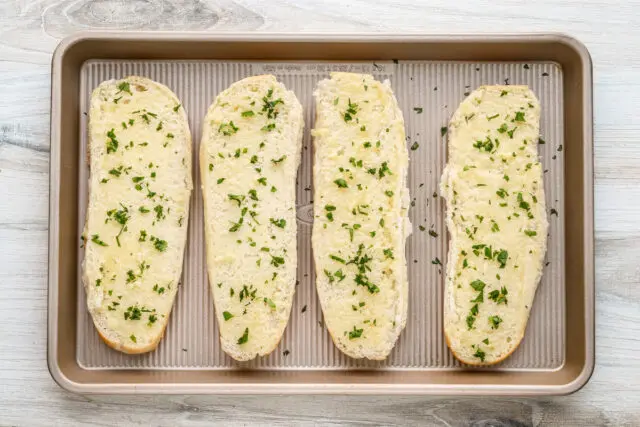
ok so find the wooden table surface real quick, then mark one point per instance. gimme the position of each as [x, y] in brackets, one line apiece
[29, 32]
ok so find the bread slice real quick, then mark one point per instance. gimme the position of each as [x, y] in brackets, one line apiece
[361, 202]
[250, 152]
[496, 216]
[138, 210]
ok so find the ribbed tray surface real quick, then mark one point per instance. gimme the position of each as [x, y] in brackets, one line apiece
[191, 340]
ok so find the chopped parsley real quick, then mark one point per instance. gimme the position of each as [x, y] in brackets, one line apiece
[112, 143]
[96, 239]
[495, 321]
[355, 333]
[159, 244]
[418, 110]
[276, 161]
[341, 183]
[228, 129]
[245, 337]
[124, 87]
[281, 223]
[227, 315]
[236, 198]
[352, 110]
[499, 296]
[269, 127]
[247, 113]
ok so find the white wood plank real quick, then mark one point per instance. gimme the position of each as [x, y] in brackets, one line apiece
[30, 30]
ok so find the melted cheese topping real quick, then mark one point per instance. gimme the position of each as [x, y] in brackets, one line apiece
[360, 204]
[250, 155]
[135, 232]
[493, 184]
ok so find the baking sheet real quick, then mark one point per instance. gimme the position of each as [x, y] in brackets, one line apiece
[435, 87]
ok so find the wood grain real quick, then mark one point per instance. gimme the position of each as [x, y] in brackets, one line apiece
[30, 30]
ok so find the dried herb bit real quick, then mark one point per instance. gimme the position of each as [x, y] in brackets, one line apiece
[112, 143]
[228, 129]
[133, 338]
[503, 93]
[418, 110]
[352, 110]
[499, 296]
[220, 180]
[248, 113]
[519, 116]
[503, 128]
[436, 261]
[124, 87]
[495, 321]
[541, 141]
[388, 253]
[443, 130]
[415, 146]
[530, 233]
[245, 337]
[553, 212]
[227, 315]
[159, 290]
[433, 233]
[341, 183]
[96, 239]
[355, 333]
[489, 118]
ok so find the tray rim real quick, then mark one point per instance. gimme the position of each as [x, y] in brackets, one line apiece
[577, 382]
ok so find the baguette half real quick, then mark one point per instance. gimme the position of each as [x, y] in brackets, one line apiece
[138, 210]
[361, 202]
[496, 216]
[250, 152]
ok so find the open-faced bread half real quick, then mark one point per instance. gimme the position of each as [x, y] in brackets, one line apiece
[360, 206]
[138, 210]
[250, 152]
[494, 189]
